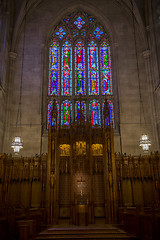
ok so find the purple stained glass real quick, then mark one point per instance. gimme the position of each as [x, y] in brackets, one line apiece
[54, 66]
[80, 108]
[105, 69]
[60, 33]
[106, 120]
[66, 110]
[98, 32]
[66, 20]
[79, 22]
[93, 73]
[80, 69]
[94, 108]
[66, 69]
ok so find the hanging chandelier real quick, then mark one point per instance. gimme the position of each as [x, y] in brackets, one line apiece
[144, 142]
[17, 145]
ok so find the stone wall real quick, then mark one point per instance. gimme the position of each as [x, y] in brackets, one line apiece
[117, 18]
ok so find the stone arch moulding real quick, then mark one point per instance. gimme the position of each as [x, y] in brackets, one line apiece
[125, 5]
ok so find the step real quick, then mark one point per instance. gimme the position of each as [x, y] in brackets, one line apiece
[83, 233]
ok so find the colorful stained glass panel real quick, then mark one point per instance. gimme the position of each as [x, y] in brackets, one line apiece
[66, 69]
[66, 110]
[80, 108]
[79, 22]
[60, 33]
[79, 69]
[93, 72]
[50, 107]
[54, 67]
[106, 121]
[98, 32]
[95, 116]
[105, 67]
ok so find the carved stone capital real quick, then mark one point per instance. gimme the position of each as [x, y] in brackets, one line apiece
[147, 53]
[148, 28]
[12, 55]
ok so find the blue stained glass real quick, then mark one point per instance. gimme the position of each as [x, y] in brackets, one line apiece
[80, 68]
[94, 108]
[75, 34]
[98, 32]
[93, 72]
[60, 33]
[66, 110]
[54, 67]
[105, 67]
[83, 34]
[80, 107]
[66, 69]
[50, 107]
[106, 121]
[91, 19]
[79, 22]
[66, 20]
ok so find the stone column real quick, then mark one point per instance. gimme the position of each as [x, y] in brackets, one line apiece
[9, 97]
[2, 115]
[49, 180]
[146, 55]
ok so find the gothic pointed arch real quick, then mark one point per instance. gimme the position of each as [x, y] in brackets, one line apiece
[80, 66]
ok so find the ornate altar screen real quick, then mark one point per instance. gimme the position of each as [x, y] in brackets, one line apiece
[80, 121]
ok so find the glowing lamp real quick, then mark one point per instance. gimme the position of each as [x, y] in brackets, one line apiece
[144, 142]
[17, 145]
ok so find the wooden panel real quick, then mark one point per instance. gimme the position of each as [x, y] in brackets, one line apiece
[99, 211]
[127, 192]
[137, 192]
[64, 189]
[64, 212]
[98, 188]
[148, 192]
[36, 194]
[14, 194]
[25, 194]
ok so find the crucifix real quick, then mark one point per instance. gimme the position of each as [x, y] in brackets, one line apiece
[81, 185]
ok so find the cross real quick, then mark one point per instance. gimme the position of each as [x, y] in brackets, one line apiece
[81, 185]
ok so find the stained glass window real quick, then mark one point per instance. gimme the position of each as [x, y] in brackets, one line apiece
[50, 107]
[66, 72]
[66, 111]
[105, 67]
[94, 108]
[54, 67]
[80, 107]
[93, 73]
[106, 121]
[80, 69]
[80, 49]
